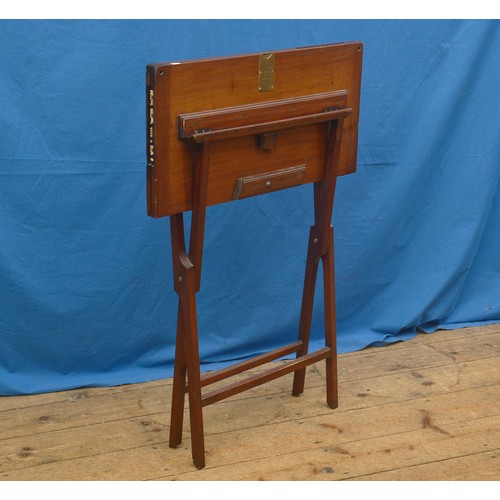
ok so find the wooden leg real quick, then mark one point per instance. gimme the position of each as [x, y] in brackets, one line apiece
[330, 329]
[321, 247]
[187, 358]
[187, 275]
[179, 384]
[189, 322]
[306, 310]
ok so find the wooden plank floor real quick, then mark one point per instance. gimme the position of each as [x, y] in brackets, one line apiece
[426, 409]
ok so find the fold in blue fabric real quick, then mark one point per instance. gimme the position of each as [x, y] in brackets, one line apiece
[86, 295]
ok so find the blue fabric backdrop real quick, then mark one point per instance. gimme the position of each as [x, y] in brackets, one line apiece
[86, 293]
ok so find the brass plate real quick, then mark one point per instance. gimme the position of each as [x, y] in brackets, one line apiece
[266, 72]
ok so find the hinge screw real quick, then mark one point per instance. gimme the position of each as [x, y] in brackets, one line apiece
[315, 240]
[179, 278]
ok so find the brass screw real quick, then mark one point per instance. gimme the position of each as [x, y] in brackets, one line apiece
[315, 240]
[179, 278]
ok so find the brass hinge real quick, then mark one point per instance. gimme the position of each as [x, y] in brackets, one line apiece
[203, 130]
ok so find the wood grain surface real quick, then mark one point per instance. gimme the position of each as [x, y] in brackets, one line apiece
[187, 87]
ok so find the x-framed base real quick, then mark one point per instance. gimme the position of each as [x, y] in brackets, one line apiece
[187, 275]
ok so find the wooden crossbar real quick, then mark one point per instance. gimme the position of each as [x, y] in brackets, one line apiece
[223, 373]
[262, 128]
[257, 113]
[268, 375]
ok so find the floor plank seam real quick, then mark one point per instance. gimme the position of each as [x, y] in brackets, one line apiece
[323, 445]
[327, 411]
[327, 445]
[103, 454]
[324, 411]
[407, 467]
